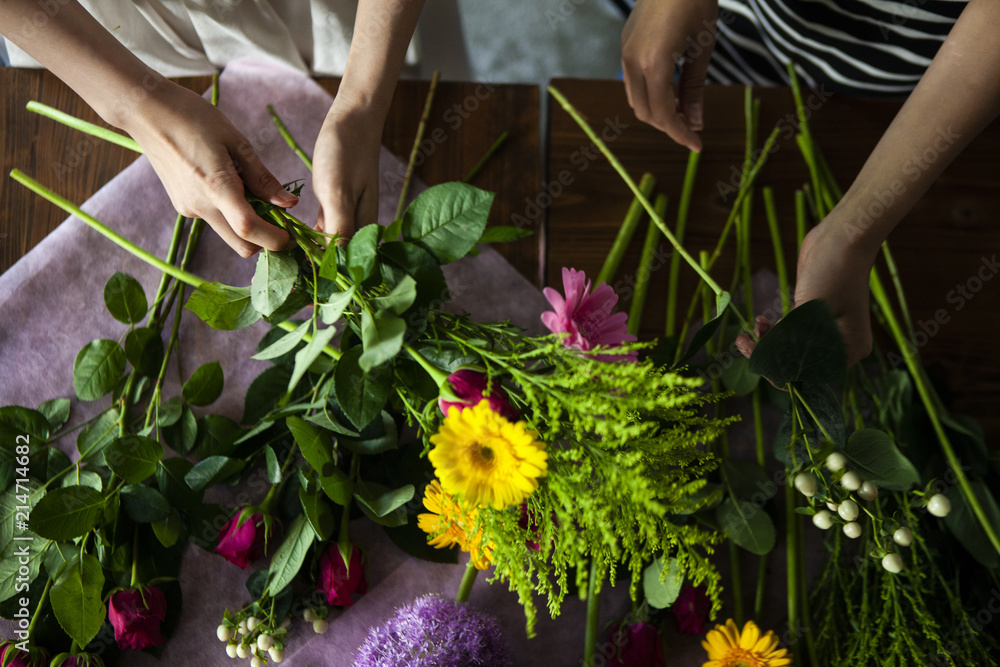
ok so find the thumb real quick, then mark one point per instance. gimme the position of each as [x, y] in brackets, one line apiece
[258, 179]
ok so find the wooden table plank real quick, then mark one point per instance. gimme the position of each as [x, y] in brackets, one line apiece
[465, 120]
[940, 245]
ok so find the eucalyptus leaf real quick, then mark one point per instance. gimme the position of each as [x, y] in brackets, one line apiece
[806, 345]
[125, 298]
[76, 599]
[382, 337]
[361, 395]
[447, 219]
[661, 582]
[205, 386]
[747, 525]
[97, 369]
[873, 455]
[134, 457]
[223, 307]
[288, 559]
[67, 513]
[273, 281]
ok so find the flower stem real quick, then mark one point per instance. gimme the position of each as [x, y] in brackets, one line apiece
[792, 551]
[465, 588]
[625, 232]
[83, 126]
[675, 261]
[593, 615]
[38, 611]
[411, 163]
[289, 139]
[645, 270]
[135, 556]
[439, 376]
[486, 157]
[161, 291]
[779, 254]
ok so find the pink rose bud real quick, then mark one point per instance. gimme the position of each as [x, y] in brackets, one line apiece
[637, 645]
[468, 388]
[242, 545]
[691, 610]
[338, 582]
[136, 620]
[12, 656]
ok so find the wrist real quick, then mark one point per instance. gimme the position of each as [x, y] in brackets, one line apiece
[134, 102]
[865, 217]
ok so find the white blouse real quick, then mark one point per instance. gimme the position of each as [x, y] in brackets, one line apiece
[193, 37]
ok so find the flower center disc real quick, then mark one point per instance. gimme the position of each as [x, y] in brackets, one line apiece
[741, 658]
[483, 454]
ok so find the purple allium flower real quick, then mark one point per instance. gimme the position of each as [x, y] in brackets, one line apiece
[434, 631]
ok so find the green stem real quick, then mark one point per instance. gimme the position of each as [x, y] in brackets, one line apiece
[779, 254]
[135, 557]
[791, 549]
[904, 308]
[675, 261]
[758, 599]
[489, 153]
[411, 163]
[83, 126]
[800, 217]
[465, 588]
[438, 375]
[645, 270]
[625, 232]
[102, 229]
[161, 291]
[38, 612]
[289, 139]
[737, 585]
[593, 616]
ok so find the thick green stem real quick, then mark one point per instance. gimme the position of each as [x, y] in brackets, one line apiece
[289, 139]
[83, 126]
[779, 254]
[737, 585]
[593, 616]
[161, 291]
[625, 233]
[465, 588]
[792, 551]
[675, 261]
[904, 308]
[800, 217]
[438, 375]
[645, 270]
[758, 598]
[411, 163]
[486, 157]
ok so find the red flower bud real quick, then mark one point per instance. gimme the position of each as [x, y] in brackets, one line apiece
[242, 545]
[637, 645]
[136, 620]
[691, 610]
[338, 582]
[18, 658]
[468, 387]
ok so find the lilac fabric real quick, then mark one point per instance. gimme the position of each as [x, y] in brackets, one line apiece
[51, 305]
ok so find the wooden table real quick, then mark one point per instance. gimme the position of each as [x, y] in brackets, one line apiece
[465, 120]
[941, 244]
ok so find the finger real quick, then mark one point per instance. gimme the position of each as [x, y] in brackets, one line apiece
[691, 86]
[367, 211]
[242, 219]
[761, 326]
[337, 213]
[218, 222]
[259, 180]
[745, 345]
[663, 108]
[635, 90]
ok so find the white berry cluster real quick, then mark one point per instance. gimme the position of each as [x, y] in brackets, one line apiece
[252, 637]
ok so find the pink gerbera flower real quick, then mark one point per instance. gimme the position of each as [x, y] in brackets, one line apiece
[586, 316]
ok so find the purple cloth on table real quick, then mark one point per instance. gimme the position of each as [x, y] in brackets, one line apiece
[51, 305]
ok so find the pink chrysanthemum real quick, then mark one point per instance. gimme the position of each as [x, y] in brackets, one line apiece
[586, 316]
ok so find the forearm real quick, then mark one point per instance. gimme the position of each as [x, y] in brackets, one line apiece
[956, 99]
[382, 33]
[74, 46]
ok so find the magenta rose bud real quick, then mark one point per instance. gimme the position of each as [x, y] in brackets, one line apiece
[338, 582]
[11, 656]
[242, 545]
[468, 387]
[691, 610]
[637, 645]
[136, 620]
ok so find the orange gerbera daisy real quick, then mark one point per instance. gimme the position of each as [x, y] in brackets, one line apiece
[728, 647]
[451, 524]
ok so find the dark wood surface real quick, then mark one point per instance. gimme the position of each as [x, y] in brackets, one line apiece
[941, 244]
[464, 121]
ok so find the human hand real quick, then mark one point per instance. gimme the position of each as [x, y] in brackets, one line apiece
[204, 163]
[345, 170]
[833, 268]
[659, 35]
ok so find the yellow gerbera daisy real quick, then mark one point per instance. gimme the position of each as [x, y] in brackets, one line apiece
[486, 459]
[450, 524]
[728, 647]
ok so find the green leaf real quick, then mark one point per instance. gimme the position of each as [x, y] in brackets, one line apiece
[504, 234]
[382, 336]
[333, 309]
[331, 423]
[169, 412]
[317, 449]
[393, 230]
[272, 281]
[661, 582]
[223, 307]
[825, 405]
[447, 219]
[66, 513]
[205, 386]
[411, 539]
[144, 504]
[285, 344]
[747, 525]
[318, 512]
[94, 439]
[305, 357]
[125, 298]
[328, 267]
[13, 559]
[16, 422]
[76, 599]
[58, 554]
[401, 259]
[11, 504]
[361, 395]
[874, 456]
[144, 350]
[47, 462]
[379, 436]
[273, 467]
[400, 298]
[183, 435]
[97, 369]
[804, 346]
[748, 480]
[738, 378]
[382, 504]
[264, 393]
[170, 480]
[168, 530]
[964, 525]
[217, 436]
[133, 457]
[56, 412]
[362, 251]
[288, 559]
[708, 330]
[211, 471]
